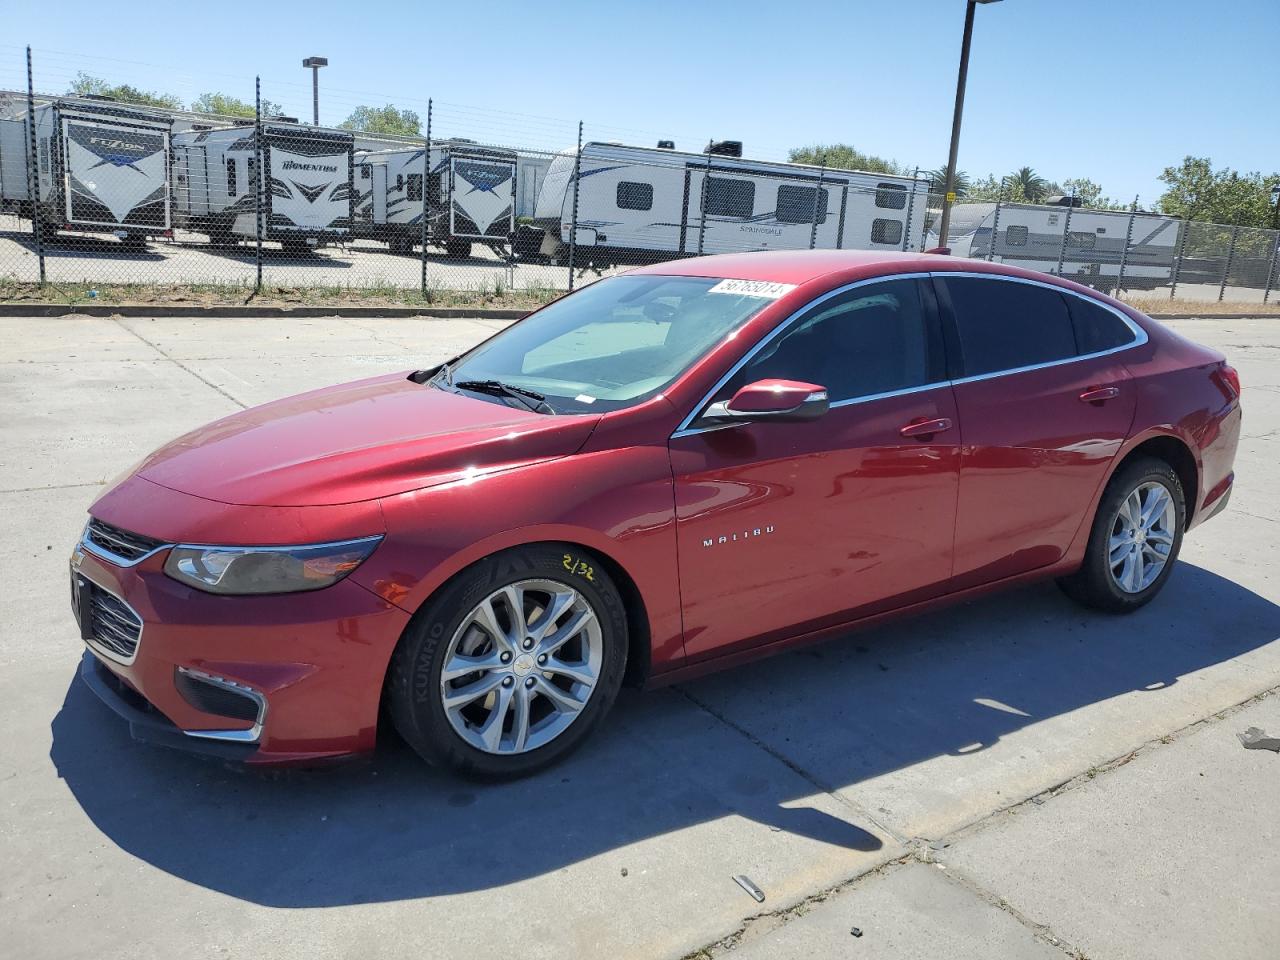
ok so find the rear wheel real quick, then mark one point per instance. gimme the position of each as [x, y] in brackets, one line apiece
[1135, 539]
[513, 663]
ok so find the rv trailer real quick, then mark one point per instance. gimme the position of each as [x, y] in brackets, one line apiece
[470, 196]
[99, 169]
[306, 196]
[643, 204]
[1089, 244]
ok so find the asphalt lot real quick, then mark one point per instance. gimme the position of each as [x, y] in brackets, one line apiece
[1013, 777]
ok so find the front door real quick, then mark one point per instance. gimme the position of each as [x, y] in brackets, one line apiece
[379, 193]
[786, 527]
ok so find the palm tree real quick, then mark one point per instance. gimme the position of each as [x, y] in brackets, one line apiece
[1034, 187]
[938, 181]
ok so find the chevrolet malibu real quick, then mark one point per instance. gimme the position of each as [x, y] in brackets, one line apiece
[667, 472]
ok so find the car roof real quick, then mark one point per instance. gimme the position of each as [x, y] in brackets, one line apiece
[796, 266]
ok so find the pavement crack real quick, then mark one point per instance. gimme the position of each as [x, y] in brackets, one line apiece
[179, 364]
[795, 768]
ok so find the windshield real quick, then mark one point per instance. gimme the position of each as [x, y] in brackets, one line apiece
[610, 345]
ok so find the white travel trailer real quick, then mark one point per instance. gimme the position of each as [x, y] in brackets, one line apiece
[306, 196]
[470, 196]
[1032, 236]
[99, 168]
[638, 204]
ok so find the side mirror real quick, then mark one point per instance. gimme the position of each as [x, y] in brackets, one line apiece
[772, 400]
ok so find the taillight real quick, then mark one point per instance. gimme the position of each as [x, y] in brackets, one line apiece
[1230, 376]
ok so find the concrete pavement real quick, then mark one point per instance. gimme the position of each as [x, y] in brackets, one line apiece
[861, 758]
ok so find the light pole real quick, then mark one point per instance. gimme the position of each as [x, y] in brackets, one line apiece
[950, 196]
[315, 63]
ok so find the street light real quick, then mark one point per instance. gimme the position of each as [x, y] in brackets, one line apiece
[955, 120]
[315, 63]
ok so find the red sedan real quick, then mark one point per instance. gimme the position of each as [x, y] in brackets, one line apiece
[664, 473]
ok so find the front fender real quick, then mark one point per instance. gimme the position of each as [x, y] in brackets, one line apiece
[618, 502]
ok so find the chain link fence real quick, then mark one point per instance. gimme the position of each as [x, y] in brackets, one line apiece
[104, 199]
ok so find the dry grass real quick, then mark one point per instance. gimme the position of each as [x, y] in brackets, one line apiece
[1157, 305]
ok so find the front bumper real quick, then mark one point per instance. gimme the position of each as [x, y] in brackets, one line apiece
[313, 663]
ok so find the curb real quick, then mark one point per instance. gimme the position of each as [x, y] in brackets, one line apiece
[249, 311]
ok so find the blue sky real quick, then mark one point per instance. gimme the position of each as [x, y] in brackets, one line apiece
[1110, 89]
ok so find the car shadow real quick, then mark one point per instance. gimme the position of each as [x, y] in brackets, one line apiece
[853, 709]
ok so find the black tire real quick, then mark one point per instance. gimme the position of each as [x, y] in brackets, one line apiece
[413, 690]
[457, 249]
[1094, 585]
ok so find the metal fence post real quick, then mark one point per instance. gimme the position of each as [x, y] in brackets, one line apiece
[817, 200]
[1066, 230]
[426, 199]
[573, 226]
[1226, 267]
[911, 205]
[1271, 270]
[702, 202]
[257, 181]
[33, 176]
[995, 231]
[1128, 237]
[1177, 261]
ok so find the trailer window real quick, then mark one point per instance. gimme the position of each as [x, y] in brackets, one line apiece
[635, 196]
[44, 157]
[891, 196]
[729, 198]
[1015, 236]
[886, 231]
[415, 186]
[366, 172]
[1086, 240]
[231, 177]
[797, 204]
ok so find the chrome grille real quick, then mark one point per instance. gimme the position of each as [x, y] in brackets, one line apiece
[119, 543]
[106, 621]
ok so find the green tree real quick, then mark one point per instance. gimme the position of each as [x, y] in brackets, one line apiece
[938, 182]
[388, 119]
[86, 86]
[1198, 192]
[1032, 187]
[1089, 193]
[228, 106]
[845, 157]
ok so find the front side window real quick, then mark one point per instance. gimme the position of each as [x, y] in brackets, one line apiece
[870, 340]
[612, 344]
[635, 196]
[1015, 236]
[1086, 240]
[729, 198]
[799, 204]
[886, 231]
[1005, 325]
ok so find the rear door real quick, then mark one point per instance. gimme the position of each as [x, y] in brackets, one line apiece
[784, 527]
[1043, 409]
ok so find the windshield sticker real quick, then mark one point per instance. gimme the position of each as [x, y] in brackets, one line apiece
[585, 398]
[753, 288]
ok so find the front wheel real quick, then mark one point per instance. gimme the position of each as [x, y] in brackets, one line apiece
[1135, 539]
[512, 664]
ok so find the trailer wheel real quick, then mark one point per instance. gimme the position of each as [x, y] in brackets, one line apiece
[457, 248]
[400, 245]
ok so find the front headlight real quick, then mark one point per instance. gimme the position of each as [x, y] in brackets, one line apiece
[242, 570]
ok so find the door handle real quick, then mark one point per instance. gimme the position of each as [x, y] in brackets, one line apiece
[925, 428]
[1099, 394]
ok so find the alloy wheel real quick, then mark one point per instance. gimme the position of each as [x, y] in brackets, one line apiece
[1142, 537]
[521, 666]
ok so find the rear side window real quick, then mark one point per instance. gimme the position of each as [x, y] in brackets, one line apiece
[873, 339]
[891, 196]
[1004, 325]
[730, 198]
[798, 204]
[1097, 328]
[635, 196]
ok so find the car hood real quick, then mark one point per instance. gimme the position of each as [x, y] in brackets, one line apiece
[358, 441]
